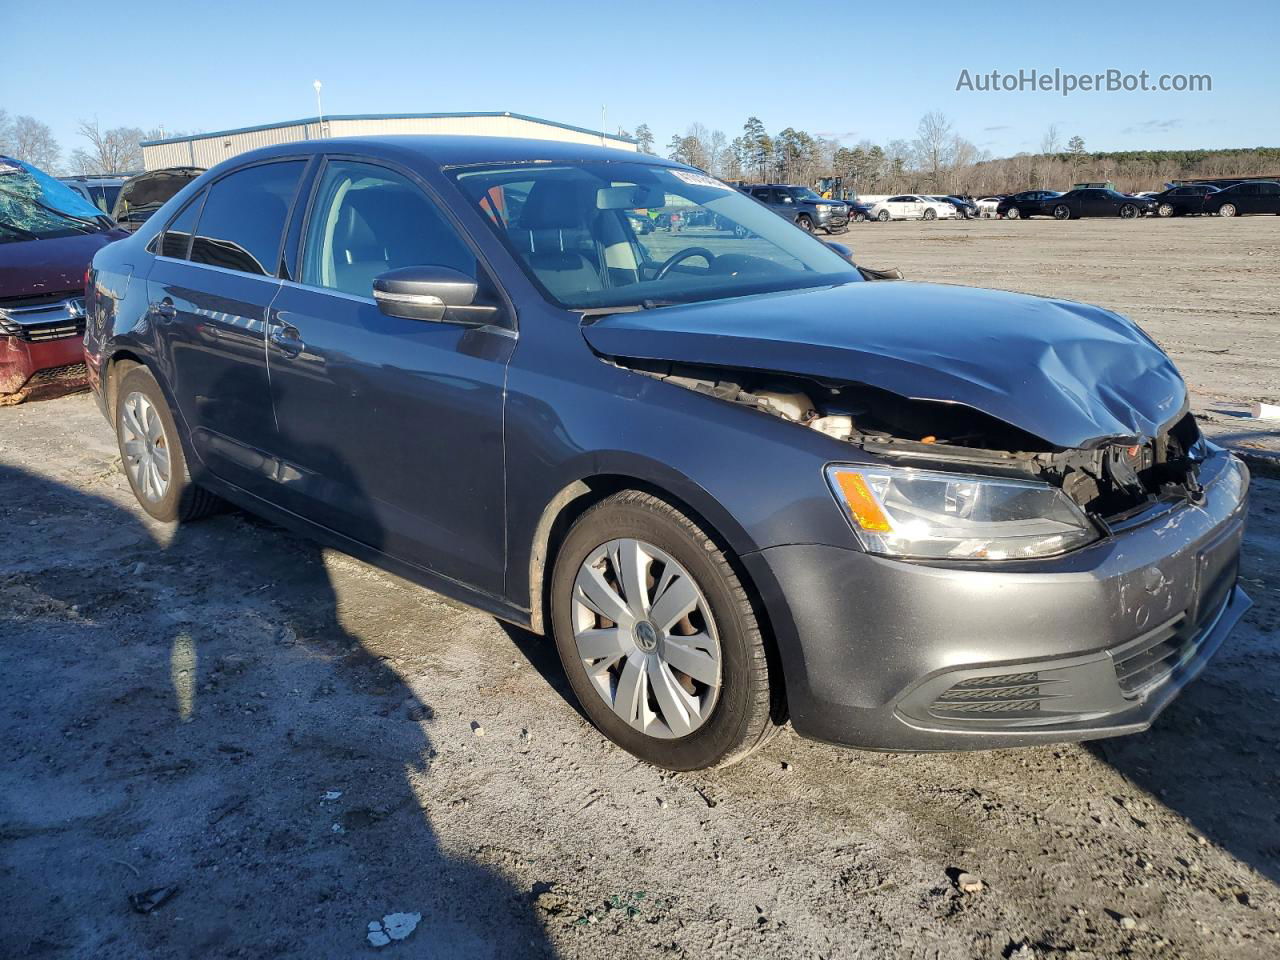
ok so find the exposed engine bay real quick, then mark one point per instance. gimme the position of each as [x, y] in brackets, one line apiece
[1114, 481]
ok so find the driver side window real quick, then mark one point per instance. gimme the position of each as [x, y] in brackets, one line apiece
[367, 220]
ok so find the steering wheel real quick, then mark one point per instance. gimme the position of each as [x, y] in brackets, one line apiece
[680, 256]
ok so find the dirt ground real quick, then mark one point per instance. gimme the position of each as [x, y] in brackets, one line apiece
[289, 744]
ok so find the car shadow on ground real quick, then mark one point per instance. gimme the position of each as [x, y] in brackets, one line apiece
[196, 724]
[1211, 756]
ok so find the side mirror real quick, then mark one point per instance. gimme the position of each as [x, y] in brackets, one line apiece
[423, 293]
[841, 249]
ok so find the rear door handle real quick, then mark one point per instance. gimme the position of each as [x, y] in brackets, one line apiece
[165, 310]
[286, 339]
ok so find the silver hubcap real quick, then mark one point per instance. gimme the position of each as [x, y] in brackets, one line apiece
[144, 447]
[646, 638]
[1227, 210]
[1166, 210]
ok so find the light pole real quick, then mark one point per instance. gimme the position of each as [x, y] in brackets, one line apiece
[319, 107]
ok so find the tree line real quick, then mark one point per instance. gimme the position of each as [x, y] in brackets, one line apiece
[115, 150]
[940, 160]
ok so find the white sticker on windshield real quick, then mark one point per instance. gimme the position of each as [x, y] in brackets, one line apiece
[699, 179]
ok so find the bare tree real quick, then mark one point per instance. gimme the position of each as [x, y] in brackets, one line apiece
[33, 142]
[1051, 142]
[110, 151]
[933, 145]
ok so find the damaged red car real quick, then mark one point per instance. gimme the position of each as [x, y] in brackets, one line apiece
[48, 235]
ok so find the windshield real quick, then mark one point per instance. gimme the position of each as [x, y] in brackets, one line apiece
[35, 206]
[596, 235]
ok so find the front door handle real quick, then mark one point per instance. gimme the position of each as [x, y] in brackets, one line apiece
[286, 340]
[165, 310]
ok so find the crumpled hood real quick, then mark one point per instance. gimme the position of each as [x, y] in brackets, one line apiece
[1072, 374]
[29, 268]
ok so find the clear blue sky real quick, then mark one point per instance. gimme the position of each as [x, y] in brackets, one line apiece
[831, 68]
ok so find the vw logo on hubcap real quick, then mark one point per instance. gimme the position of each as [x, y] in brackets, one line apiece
[646, 636]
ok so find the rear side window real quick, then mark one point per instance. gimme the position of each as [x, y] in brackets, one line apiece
[244, 217]
[176, 240]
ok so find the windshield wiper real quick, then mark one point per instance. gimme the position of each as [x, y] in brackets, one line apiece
[625, 308]
[20, 231]
[94, 225]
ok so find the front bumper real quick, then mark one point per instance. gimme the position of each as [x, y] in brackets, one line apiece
[21, 363]
[914, 656]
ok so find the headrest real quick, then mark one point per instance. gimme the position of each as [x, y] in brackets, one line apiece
[555, 205]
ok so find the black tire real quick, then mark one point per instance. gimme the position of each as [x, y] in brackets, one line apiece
[183, 501]
[883, 216]
[930, 214]
[1227, 210]
[749, 705]
[1013, 213]
[1165, 210]
[804, 223]
[1062, 212]
[1128, 211]
[859, 218]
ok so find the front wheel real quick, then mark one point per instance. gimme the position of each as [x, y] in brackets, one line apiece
[883, 216]
[1013, 213]
[1128, 211]
[859, 218]
[151, 452]
[804, 223]
[1062, 212]
[1164, 210]
[658, 637]
[1227, 210]
[931, 214]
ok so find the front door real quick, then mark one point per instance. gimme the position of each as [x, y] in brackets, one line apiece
[209, 288]
[390, 429]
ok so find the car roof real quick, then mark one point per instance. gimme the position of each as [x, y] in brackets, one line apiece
[449, 151]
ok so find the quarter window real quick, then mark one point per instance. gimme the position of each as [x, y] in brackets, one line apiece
[367, 220]
[244, 217]
[176, 240]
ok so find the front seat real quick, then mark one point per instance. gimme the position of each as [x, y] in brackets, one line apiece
[554, 237]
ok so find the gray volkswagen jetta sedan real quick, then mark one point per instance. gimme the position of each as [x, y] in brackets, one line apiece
[736, 482]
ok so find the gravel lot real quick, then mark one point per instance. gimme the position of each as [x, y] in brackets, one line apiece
[296, 744]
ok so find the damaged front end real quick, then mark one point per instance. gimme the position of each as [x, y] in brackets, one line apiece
[963, 382]
[1117, 484]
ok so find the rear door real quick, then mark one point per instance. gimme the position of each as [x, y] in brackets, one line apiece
[1269, 198]
[391, 430]
[212, 280]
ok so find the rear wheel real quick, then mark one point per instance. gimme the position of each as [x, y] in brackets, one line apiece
[859, 218]
[658, 636]
[1062, 212]
[1227, 210]
[1128, 211]
[151, 452]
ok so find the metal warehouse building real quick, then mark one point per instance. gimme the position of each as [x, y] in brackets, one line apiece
[206, 149]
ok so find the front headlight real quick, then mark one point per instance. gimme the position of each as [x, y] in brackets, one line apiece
[901, 512]
[822, 207]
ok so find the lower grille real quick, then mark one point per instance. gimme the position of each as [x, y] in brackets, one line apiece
[1155, 656]
[1005, 694]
